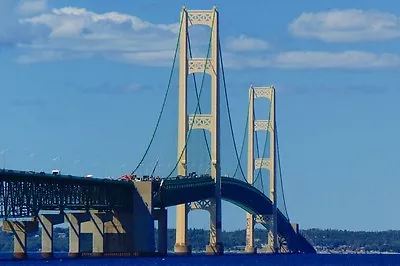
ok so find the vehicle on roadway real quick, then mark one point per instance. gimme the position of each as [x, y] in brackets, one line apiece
[55, 172]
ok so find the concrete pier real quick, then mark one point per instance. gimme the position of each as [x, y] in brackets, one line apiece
[96, 225]
[119, 233]
[182, 249]
[124, 232]
[250, 221]
[20, 229]
[161, 216]
[215, 249]
[143, 229]
[250, 250]
[47, 221]
[293, 244]
[181, 246]
[118, 237]
[75, 220]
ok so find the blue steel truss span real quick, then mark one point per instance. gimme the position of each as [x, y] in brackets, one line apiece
[242, 194]
[23, 194]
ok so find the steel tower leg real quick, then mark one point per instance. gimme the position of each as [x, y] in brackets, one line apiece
[210, 66]
[250, 219]
[181, 243]
[215, 246]
[266, 163]
[272, 182]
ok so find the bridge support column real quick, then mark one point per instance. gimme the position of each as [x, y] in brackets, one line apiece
[74, 220]
[295, 227]
[250, 174]
[292, 241]
[47, 221]
[263, 163]
[143, 229]
[272, 243]
[215, 247]
[95, 225]
[118, 237]
[181, 244]
[250, 249]
[20, 229]
[210, 122]
[161, 216]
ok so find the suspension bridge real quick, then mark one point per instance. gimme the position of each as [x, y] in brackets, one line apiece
[120, 214]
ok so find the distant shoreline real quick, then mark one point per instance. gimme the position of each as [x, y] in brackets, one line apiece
[325, 241]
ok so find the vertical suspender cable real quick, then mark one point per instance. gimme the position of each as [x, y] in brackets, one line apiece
[243, 141]
[163, 104]
[198, 102]
[280, 172]
[259, 174]
[198, 98]
[229, 112]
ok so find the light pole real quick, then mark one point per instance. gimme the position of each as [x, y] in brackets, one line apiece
[58, 158]
[103, 166]
[76, 162]
[3, 153]
[169, 169]
[93, 167]
[122, 169]
[33, 159]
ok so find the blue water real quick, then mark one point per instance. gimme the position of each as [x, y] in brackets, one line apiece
[219, 261]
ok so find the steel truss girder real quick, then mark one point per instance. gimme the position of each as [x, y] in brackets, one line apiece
[21, 197]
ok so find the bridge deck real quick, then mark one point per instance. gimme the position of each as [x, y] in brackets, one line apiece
[25, 193]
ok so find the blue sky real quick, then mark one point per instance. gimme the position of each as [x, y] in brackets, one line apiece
[78, 76]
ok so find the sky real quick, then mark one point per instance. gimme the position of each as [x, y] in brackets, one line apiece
[82, 83]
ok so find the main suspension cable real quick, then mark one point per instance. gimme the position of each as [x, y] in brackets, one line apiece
[198, 102]
[255, 136]
[164, 101]
[280, 172]
[229, 112]
[259, 173]
[197, 97]
[244, 138]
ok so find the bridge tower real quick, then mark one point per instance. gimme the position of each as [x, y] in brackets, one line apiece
[208, 122]
[262, 163]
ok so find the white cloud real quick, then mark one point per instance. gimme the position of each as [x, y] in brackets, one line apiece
[77, 31]
[245, 43]
[316, 59]
[347, 59]
[31, 7]
[41, 56]
[74, 33]
[12, 31]
[348, 25]
[236, 61]
[106, 88]
[69, 21]
[36, 56]
[153, 58]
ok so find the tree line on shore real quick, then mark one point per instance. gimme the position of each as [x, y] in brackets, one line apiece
[383, 241]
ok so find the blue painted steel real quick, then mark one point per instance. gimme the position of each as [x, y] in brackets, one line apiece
[24, 194]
